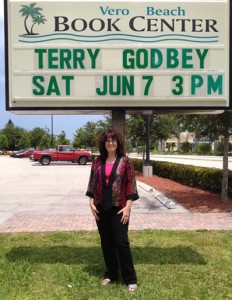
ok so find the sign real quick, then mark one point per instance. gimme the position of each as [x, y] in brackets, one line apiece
[127, 54]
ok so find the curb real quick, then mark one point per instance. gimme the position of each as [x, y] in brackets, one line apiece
[169, 203]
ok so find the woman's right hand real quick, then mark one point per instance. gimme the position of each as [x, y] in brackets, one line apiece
[94, 210]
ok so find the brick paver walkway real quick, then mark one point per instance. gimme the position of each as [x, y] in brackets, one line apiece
[28, 222]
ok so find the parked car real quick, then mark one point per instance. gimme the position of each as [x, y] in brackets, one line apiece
[26, 153]
[6, 152]
[23, 153]
[15, 153]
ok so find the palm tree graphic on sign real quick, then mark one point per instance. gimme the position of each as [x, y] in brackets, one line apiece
[35, 15]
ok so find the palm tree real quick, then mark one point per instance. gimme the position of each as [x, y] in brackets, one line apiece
[38, 19]
[31, 11]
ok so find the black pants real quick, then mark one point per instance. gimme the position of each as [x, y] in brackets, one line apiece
[115, 246]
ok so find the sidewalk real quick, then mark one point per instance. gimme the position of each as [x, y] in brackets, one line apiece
[27, 222]
[147, 213]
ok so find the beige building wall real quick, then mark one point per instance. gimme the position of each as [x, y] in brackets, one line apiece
[184, 137]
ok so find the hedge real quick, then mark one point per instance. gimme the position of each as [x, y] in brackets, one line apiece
[198, 177]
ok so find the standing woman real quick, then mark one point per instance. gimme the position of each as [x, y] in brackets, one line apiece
[112, 188]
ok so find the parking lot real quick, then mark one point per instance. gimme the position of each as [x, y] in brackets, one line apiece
[27, 186]
[36, 198]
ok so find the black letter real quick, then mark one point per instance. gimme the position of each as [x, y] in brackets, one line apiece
[131, 23]
[74, 27]
[102, 25]
[110, 25]
[208, 25]
[57, 23]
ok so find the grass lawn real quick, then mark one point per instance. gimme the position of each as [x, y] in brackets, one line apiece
[169, 264]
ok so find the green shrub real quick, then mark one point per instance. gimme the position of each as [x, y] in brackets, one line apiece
[220, 147]
[204, 148]
[186, 147]
[138, 164]
[170, 146]
[198, 177]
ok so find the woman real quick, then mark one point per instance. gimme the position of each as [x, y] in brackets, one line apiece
[112, 188]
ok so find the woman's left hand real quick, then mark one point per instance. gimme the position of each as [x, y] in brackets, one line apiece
[125, 214]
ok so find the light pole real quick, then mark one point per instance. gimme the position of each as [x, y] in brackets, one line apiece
[52, 130]
[147, 162]
[147, 167]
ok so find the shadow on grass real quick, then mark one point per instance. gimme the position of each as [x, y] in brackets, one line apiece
[93, 255]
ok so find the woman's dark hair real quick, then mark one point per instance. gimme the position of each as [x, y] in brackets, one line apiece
[114, 135]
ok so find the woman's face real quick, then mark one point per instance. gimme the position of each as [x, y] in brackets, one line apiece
[111, 145]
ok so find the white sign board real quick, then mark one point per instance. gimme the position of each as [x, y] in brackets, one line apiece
[127, 54]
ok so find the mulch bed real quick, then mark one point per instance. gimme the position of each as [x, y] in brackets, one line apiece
[195, 200]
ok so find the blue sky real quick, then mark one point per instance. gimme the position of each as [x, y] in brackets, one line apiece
[68, 123]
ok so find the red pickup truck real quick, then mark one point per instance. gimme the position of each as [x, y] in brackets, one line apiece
[62, 153]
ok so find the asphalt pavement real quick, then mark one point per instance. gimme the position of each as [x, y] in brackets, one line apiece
[36, 198]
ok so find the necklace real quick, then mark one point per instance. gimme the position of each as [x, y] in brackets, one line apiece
[111, 160]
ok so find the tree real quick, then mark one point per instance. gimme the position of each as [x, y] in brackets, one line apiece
[136, 130]
[213, 126]
[161, 127]
[224, 126]
[3, 141]
[62, 140]
[35, 136]
[86, 136]
[103, 125]
[34, 13]
[170, 146]
[165, 126]
[13, 134]
[45, 142]
[24, 141]
[38, 19]
[8, 131]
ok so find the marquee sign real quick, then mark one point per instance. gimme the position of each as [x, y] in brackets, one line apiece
[105, 54]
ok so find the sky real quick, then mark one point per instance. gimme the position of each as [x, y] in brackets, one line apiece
[68, 123]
